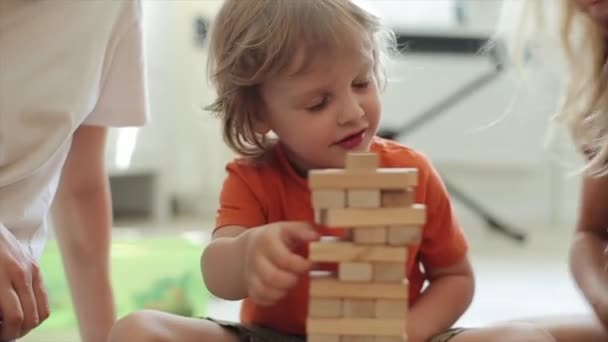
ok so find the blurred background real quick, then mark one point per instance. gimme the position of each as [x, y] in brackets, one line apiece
[450, 95]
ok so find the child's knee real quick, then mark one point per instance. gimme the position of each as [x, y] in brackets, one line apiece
[138, 327]
[511, 332]
[525, 331]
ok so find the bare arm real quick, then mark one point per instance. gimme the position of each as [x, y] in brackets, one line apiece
[587, 258]
[226, 279]
[82, 220]
[259, 263]
[447, 297]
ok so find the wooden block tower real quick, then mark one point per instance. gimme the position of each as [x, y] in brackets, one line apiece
[366, 301]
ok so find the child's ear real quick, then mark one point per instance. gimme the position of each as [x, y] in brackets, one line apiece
[261, 127]
[260, 122]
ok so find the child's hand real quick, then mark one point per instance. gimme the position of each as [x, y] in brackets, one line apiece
[271, 266]
[23, 299]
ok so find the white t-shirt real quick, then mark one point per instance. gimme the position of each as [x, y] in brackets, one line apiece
[63, 63]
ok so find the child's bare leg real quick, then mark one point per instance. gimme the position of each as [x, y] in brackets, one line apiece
[155, 326]
[550, 329]
[573, 328]
[508, 332]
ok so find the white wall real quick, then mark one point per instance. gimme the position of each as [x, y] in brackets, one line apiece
[182, 143]
[179, 92]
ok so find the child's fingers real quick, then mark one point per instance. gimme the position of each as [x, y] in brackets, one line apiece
[295, 263]
[298, 232]
[41, 295]
[279, 278]
[279, 254]
[283, 258]
[12, 314]
[262, 294]
[273, 276]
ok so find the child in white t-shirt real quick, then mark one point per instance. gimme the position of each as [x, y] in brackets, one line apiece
[68, 70]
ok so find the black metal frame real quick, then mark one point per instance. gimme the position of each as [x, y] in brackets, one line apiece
[455, 45]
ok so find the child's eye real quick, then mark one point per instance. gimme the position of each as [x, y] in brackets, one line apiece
[361, 84]
[319, 106]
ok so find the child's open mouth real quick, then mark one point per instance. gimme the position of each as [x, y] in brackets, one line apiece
[352, 141]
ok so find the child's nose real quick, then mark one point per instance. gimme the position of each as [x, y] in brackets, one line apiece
[352, 111]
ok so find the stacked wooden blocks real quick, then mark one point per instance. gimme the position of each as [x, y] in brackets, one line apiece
[367, 299]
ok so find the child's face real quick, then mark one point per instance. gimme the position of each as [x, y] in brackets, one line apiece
[597, 10]
[325, 111]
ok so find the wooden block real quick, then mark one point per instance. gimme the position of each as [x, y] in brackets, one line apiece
[355, 271]
[387, 178]
[332, 288]
[363, 217]
[319, 274]
[323, 338]
[362, 198]
[323, 199]
[388, 308]
[321, 216]
[347, 338]
[336, 251]
[370, 236]
[396, 198]
[361, 161]
[325, 307]
[404, 235]
[388, 271]
[359, 308]
[356, 326]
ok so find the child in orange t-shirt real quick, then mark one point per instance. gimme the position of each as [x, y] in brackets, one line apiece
[298, 88]
[274, 199]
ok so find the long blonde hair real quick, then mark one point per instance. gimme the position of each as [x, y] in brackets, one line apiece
[584, 104]
[255, 40]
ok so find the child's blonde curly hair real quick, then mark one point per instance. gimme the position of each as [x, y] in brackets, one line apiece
[253, 41]
[584, 106]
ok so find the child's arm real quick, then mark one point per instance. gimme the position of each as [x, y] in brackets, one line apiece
[442, 303]
[443, 254]
[82, 218]
[226, 252]
[258, 263]
[587, 257]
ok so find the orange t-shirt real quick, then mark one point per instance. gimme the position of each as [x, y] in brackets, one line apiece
[255, 195]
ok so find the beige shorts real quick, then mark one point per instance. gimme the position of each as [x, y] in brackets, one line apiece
[260, 334]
